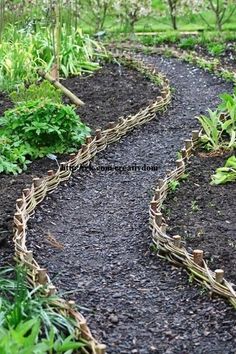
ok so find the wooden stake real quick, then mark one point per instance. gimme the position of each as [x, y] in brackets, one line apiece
[51, 290]
[20, 228]
[63, 166]
[184, 153]
[195, 135]
[42, 276]
[179, 163]
[50, 173]
[36, 182]
[177, 241]
[18, 217]
[198, 257]
[219, 275]
[100, 349]
[72, 156]
[163, 228]
[157, 194]
[154, 205]
[88, 139]
[188, 144]
[58, 85]
[111, 125]
[158, 218]
[98, 134]
[19, 202]
[26, 192]
[84, 329]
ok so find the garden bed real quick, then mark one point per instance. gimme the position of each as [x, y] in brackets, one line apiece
[227, 57]
[114, 91]
[92, 235]
[124, 93]
[204, 215]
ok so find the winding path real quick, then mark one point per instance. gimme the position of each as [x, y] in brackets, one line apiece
[133, 301]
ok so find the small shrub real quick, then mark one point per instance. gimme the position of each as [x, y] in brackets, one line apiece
[35, 129]
[216, 49]
[188, 43]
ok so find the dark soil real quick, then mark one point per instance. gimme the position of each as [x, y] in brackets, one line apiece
[5, 103]
[205, 215]
[108, 95]
[133, 301]
[227, 58]
[122, 91]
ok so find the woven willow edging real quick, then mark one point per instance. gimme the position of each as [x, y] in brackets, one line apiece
[31, 197]
[211, 65]
[172, 248]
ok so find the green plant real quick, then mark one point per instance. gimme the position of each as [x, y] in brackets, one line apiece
[216, 49]
[183, 177]
[173, 185]
[29, 322]
[188, 43]
[212, 130]
[194, 205]
[220, 126]
[225, 174]
[36, 92]
[36, 129]
[21, 54]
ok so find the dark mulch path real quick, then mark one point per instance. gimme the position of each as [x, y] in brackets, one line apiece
[205, 215]
[135, 302]
[121, 90]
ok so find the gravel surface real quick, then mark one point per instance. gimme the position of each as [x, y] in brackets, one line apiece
[134, 302]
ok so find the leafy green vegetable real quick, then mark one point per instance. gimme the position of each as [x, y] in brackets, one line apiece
[225, 174]
[219, 126]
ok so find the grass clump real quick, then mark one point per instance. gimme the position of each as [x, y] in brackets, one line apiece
[29, 322]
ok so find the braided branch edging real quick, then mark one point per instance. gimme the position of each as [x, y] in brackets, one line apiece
[172, 247]
[41, 187]
[191, 57]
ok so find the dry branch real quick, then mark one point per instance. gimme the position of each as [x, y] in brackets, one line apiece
[58, 85]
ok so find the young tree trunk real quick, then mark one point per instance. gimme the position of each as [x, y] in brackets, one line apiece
[58, 37]
[172, 8]
[1, 18]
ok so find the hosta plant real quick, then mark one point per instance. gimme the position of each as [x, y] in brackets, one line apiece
[225, 174]
[219, 127]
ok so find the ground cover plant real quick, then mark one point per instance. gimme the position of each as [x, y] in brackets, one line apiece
[29, 322]
[35, 129]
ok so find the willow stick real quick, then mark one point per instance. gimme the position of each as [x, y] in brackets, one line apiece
[58, 85]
